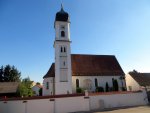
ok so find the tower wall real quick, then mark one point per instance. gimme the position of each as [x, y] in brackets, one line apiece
[63, 74]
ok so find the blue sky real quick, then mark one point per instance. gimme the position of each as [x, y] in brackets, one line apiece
[109, 27]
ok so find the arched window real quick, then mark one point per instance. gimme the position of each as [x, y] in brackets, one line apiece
[61, 50]
[77, 83]
[64, 63]
[64, 49]
[47, 85]
[62, 34]
[96, 82]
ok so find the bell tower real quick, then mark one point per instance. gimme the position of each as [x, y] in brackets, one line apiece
[63, 74]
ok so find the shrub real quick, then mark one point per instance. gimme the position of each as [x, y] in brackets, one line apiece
[111, 89]
[99, 89]
[79, 90]
[123, 88]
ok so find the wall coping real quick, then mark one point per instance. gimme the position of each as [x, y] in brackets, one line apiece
[42, 97]
[67, 95]
[113, 93]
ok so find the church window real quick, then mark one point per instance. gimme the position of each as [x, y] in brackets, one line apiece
[64, 63]
[77, 83]
[62, 34]
[64, 49]
[61, 49]
[47, 85]
[96, 82]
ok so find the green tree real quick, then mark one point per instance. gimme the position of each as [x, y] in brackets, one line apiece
[1, 74]
[116, 87]
[9, 74]
[38, 83]
[107, 87]
[22, 90]
[25, 88]
[113, 85]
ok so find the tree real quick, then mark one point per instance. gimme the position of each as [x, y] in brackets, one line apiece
[115, 84]
[25, 88]
[116, 88]
[38, 83]
[1, 74]
[107, 87]
[9, 74]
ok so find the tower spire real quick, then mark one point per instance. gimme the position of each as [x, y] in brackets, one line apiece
[62, 7]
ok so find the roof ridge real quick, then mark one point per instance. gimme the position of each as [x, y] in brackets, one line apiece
[92, 55]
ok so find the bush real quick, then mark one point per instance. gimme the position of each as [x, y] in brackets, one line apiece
[111, 89]
[123, 89]
[99, 89]
[79, 90]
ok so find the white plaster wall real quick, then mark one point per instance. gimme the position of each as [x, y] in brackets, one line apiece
[40, 106]
[117, 100]
[101, 81]
[59, 105]
[58, 24]
[62, 88]
[131, 82]
[31, 106]
[12, 107]
[59, 89]
[71, 104]
[50, 90]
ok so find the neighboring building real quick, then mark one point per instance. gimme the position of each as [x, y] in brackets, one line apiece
[71, 71]
[8, 89]
[36, 88]
[33, 83]
[135, 81]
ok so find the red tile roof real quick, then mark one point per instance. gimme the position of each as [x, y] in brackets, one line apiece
[91, 65]
[143, 79]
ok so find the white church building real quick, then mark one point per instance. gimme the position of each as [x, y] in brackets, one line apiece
[72, 71]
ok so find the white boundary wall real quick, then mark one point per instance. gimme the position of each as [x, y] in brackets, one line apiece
[117, 100]
[72, 104]
[57, 105]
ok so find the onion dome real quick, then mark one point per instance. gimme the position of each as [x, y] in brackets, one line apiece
[62, 15]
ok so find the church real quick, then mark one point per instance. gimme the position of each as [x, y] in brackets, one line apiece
[72, 71]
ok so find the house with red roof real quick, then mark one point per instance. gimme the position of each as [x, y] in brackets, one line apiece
[36, 89]
[136, 81]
